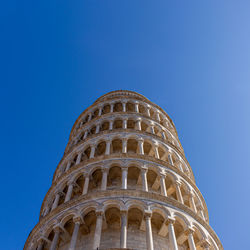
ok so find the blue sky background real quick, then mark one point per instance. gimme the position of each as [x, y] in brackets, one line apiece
[190, 57]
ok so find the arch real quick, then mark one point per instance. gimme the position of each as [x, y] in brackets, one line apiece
[116, 146]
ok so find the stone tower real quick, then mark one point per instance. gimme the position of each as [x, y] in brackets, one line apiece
[123, 183]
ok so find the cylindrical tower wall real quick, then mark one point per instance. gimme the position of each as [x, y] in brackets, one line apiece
[123, 183]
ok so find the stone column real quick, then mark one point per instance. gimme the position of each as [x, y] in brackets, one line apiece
[40, 244]
[69, 192]
[85, 134]
[98, 230]
[191, 202]
[163, 184]
[86, 184]
[111, 107]
[100, 111]
[79, 156]
[178, 191]
[140, 145]
[156, 152]
[97, 130]
[90, 117]
[123, 237]
[138, 125]
[124, 107]
[124, 124]
[111, 124]
[137, 107]
[149, 236]
[191, 239]
[163, 135]
[73, 241]
[171, 232]
[170, 158]
[55, 203]
[152, 129]
[55, 240]
[104, 178]
[92, 152]
[158, 116]
[124, 177]
[144, 179]
[108, 145]
[68, 166]
[148, 111]
[124, 145]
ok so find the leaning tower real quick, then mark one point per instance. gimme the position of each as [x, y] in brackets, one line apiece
[123, 183]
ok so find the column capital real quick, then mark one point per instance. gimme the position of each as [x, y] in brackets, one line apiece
[204, 243]
[123, 212]
[144, 169]
[85, 174]
[105, 170]
[72, 182]
[140, 139]
[78, 219]
[190, 230]
[57, 228]
[170, 220]
[162, 174]
[99, 213]
[124, 168]
[191, 193]
[60, 193]
[178, 183]
[147, 214]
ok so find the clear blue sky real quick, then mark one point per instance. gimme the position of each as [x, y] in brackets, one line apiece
[190, 57]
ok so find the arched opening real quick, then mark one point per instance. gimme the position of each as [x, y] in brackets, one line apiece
[104, 126]
[95, 180]
[117, 124]
[66, 233]
[130, 107]
[142, 109]
[77, 190]
[106, 109]
[171, 192]
[133, 178]
[144, 127]
[161, 152]
[116, 146]
[180, 235]
[100, 149]
[153, 181]
[132, 146]
[87, 152]
[92, 130]
[131, 124]
[159, 231]
[111, 231]
[118, 107]
[114, 177]
[88, 228]
[136, 229]
[147, 148]
[62, 195]
[95, 113]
